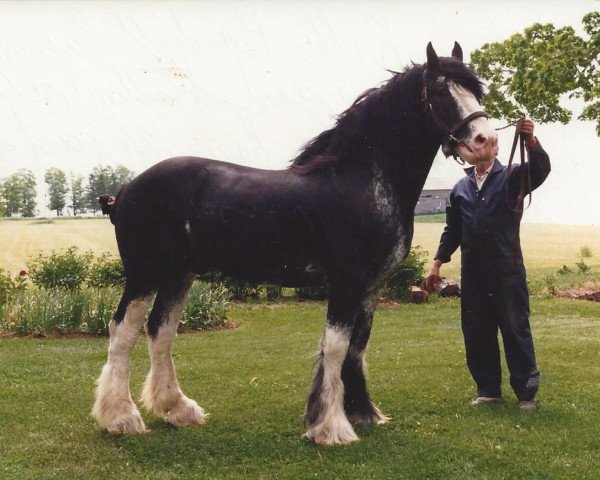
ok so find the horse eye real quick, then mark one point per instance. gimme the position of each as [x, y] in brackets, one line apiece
[442, 92]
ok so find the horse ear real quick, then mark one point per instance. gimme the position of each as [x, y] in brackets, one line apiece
[433, 61]
[457, 52]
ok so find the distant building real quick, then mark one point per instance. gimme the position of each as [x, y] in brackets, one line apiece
[432, 201]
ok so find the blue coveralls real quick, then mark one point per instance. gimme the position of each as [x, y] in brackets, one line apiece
[485, 224]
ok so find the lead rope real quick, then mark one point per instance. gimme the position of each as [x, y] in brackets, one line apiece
[525, 180]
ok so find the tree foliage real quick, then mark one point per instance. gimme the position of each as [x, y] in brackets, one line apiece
[106, 180]
[531, 72]
[18, 193]
[78, 194]
[57, 189]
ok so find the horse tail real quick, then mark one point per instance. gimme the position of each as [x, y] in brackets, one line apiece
[108, 205]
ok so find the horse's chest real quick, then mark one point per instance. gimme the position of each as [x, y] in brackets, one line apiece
[398, 251]
[386, 208]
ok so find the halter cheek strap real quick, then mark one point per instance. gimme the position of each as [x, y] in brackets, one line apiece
[449, 133]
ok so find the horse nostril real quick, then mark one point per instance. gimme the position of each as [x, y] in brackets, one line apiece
[480, 139]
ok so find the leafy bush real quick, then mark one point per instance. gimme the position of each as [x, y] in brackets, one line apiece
[43, 311]
[66, 270]
[273, 292]
[550, 283]
[585, 252]
[582, 267]
[106, 271]
[313, 293]
[564, 270]
[206, 306]
[410, 273]
[40, 311]
[11, 285]
[239, 290]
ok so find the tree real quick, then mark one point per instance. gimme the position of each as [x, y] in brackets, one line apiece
[99, 183]
[106, 180]
[531, 71]
[78, 194]
[57, 189]
[121, 176]
[2, 200]
[18, 192]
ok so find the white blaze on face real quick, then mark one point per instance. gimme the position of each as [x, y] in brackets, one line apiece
[482, 138]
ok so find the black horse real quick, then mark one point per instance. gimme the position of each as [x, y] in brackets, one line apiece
[342, 213]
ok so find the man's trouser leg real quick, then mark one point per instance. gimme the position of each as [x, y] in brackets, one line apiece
[511, 308]
[480, 332]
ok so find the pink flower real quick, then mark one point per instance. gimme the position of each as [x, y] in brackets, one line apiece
[23, 273]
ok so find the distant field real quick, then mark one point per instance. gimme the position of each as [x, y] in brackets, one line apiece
[546, 247]
[21, 239]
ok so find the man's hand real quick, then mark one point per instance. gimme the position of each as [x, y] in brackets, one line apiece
[432, 280]
[527, 127]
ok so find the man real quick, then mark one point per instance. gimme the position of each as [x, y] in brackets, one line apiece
[483, 218]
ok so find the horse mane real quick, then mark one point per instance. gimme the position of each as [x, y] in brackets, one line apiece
[378, 108]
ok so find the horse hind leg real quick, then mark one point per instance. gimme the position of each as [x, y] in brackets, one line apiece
[114, 409]
[162, 394]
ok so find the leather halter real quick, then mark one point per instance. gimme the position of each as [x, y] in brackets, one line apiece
[450, 136]
[450, 133]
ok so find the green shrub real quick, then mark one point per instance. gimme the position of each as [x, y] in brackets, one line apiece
[67, 270]
[206, 306]
[585, 252]
[313, 293]
[106, 271]
[44, 311]
[583, 267]
[564, 270]
[86, 310]
[11, 285]
[410, 273]
[273, 292]
[238, 290]
[550, 282]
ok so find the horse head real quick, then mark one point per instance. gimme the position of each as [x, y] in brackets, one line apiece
[452, 96]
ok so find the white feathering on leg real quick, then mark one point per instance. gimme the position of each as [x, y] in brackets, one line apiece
[114, 409]
[332, 427]
[162, 394]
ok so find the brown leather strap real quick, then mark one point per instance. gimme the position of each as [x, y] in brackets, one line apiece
[525, 180]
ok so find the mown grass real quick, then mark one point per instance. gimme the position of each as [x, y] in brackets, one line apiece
[254, 380]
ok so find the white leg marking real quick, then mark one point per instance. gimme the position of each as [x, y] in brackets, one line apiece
[114, 409]
[332, 427]
[162, 394]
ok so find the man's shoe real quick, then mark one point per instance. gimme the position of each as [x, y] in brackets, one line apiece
[484, 400]
[528, 404]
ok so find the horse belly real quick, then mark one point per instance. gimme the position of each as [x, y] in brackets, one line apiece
[257, 255]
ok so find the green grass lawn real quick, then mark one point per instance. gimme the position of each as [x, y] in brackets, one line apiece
[254, 381]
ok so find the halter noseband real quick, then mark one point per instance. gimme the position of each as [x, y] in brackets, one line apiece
[450, 133]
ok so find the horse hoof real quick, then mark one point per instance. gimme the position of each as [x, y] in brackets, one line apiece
[187, 412]
[127, 424]
[333, 432]
[372, 417]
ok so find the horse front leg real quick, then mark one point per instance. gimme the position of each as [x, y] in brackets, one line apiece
[357, 403]
[162, 394]
[114, 409]
[325, 416]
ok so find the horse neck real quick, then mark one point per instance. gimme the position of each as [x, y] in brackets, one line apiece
[405, 166]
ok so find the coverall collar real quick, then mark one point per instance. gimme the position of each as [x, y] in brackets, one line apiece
[495, 168]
